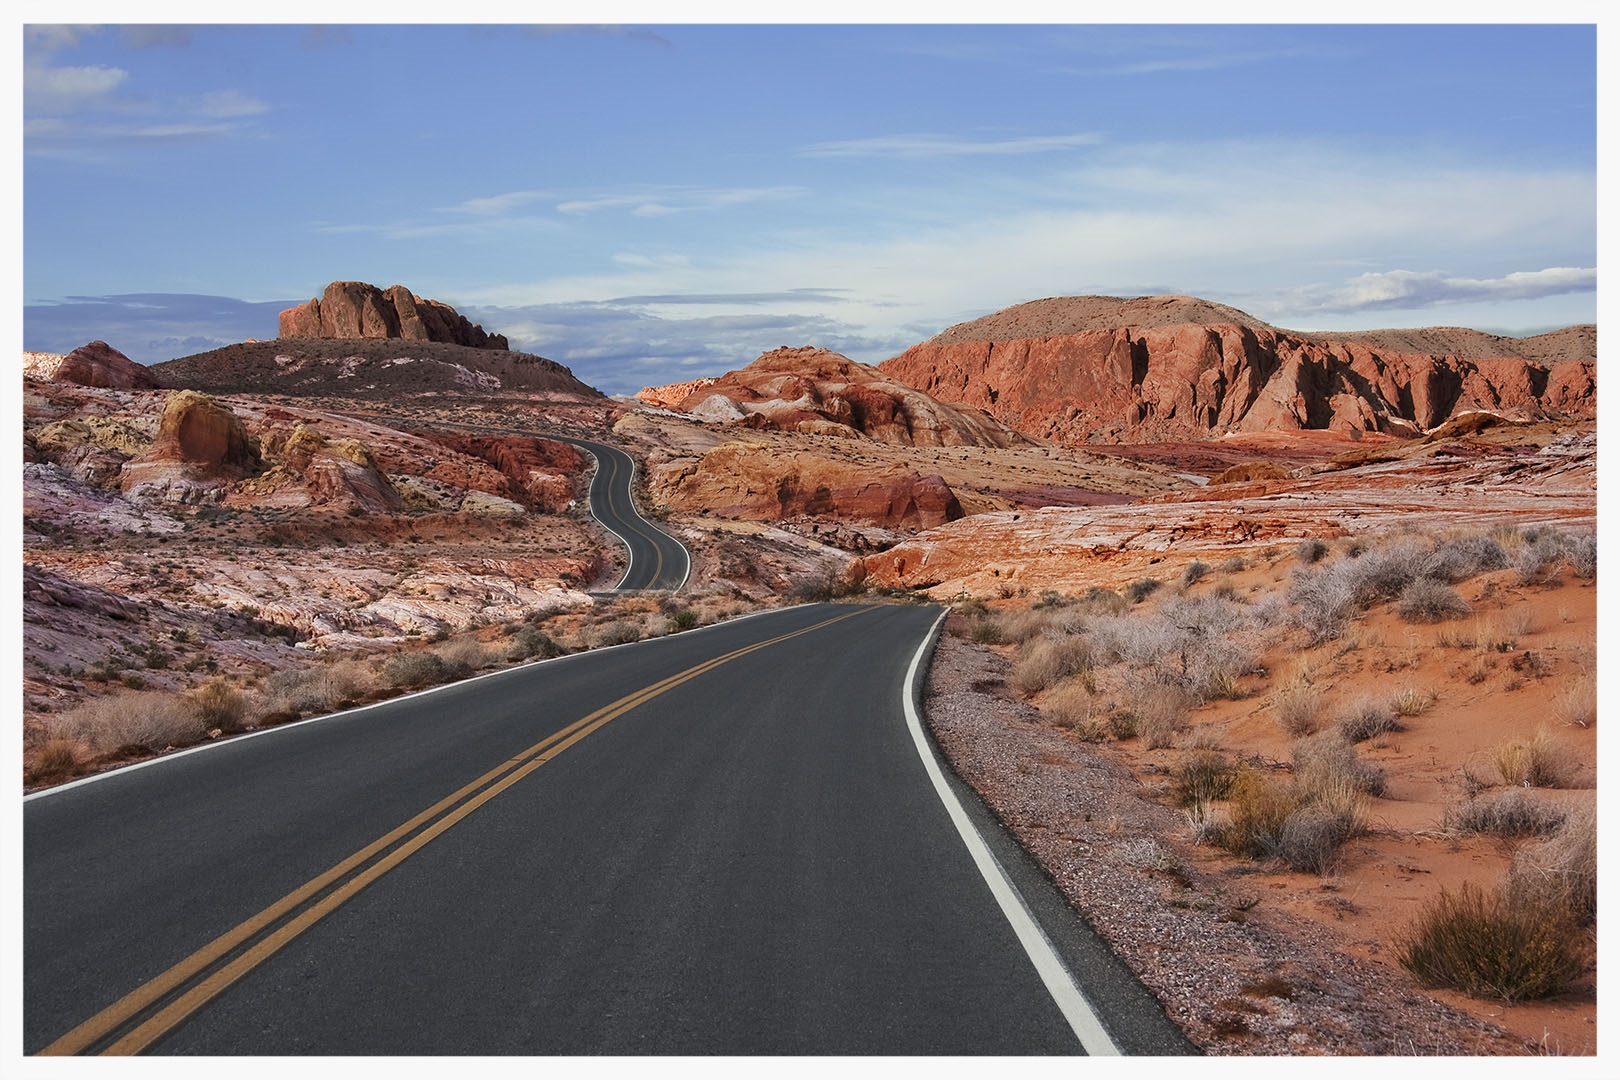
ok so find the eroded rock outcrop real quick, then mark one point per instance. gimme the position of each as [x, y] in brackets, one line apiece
[311, 470]
[95, 364]
[1099, 369]
[354, 309]
[818, 392]
[766, 483]
[540, 471]
[201, 447]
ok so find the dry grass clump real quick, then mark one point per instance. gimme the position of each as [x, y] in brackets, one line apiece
[618, 632]
[1046, 660]
[1539, 761]
[1201, 777]
[1304, 825]
[1073, 707]
[1576, 705]
[1160, 714]
[414, 670]
[317, 689]
[1492, 945]
[1562, 870]
[531, 643]
[1297, 704]
[1366, 717]
[464, 652]
[218, 705]
[1428, 600]
[55, 757]
[1513, 813]
[1411, 701]
[1325, 763]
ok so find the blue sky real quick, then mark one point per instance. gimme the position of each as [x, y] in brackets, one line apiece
[648, 203]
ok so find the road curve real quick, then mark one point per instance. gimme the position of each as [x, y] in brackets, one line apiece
[719, 842]
[656, 559]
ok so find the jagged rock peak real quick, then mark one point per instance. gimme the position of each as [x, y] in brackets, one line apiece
[354, 309]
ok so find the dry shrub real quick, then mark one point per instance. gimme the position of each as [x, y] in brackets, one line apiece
[620, 632]
[419, 669]
[1161, 715]
[530, 643]
[152, 720]
[1411, 701]
[464, 653]
[1538, 761]
[1142, 588]
[1514, 813]
[1302, 823]
[1561, 871]
[1043, 662]
[1234, 564]
[316, 689]
[1326, 763]
[1427, 600]
[1312, 836]
[1576, 705]
[55, 757]
[1492, 945]
[1365, 717]
[1194, 572]
[1297, 704]
[1260, 809]
[1200, 777]
[218, 705]
[1073, 707]
[1017, 627]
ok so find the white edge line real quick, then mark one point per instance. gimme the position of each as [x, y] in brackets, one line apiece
[1054, 974]
[630, 555]
[234, 740]
[629, 552]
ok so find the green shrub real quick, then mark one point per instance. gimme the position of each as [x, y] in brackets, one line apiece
[1201, 776]
[1492, 945]
[1142, 588]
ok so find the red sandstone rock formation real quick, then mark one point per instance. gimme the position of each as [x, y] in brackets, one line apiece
[200, 448]
[670, 395]
[817, 392]
[764, 483]
[1098, 369]
[95, 364]
[540, 472]
[353, 309]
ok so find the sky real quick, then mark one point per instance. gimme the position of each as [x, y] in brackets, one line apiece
[654, 202]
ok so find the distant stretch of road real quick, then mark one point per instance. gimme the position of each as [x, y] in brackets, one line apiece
[657, 560]
[727, 841]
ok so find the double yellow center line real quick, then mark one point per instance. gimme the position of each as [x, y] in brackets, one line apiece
[155, 1008]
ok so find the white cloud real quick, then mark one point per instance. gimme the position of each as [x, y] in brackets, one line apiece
[923, 145]
[64, 89]
[228, 103]
[492, 205]
[658, 203]
[1409, 289]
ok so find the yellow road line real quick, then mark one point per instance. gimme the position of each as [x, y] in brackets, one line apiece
[495, 781]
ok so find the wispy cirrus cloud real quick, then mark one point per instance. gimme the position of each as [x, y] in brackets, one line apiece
[1405, 289]
[660, 202]
[927, 145]
[493, 205]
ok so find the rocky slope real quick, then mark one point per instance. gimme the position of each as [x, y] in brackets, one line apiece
[354, 309]
[1101, 369]
[819, 392]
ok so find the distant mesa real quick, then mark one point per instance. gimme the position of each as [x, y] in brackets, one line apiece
[354, 309]
[818, 392]
[95, 364]
[1100, 369]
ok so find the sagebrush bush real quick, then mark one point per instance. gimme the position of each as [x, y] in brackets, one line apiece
[1161, 715]
[1234, 564]
[1460, 556]
[464, 652]
[1313, 834]
[1428, 600]
[1311, 551]
[1411, 701]
[218, 705]
[1201, 776]
[532, 643]
[1364, 718]
[1260, 809]
[1539, 761]
[1142, 588]
[318, 688]
[1297, 705]
[1491, 945]
[151, 720]
[1073, 707]
[1514, 813]
[1194, 572]
[619, 632]
[409, 671]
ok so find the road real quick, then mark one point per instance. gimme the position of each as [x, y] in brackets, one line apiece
[657, 560]
[720, 842]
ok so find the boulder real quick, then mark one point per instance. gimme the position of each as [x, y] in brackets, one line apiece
[200, 449]
[95, 364]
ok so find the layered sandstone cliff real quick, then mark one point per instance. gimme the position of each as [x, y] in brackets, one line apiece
[818, 392]
[354, 309]
[1100, 369]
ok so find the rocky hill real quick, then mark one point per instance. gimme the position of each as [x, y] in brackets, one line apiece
[95, 364]
[818, 392]
[381, 369]
[1104, 369]
[354, 309]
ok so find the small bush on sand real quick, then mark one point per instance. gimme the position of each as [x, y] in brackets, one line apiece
[318, 688]
[410, 671]
[1073, 707]
[1561, 871]
[464, 652]
[1576, 704]
[1460, 556]
[1428, 601]
[620, 632]
[55, 757]
[1297, 705]
[1411, 701]
[1366, 717]
[152, 720]
[534, 644]
[1492, 945]
[1325, 763]
[1260, 809]
[1311, 551]
[1194, 572]
[1161, 715]
[1142, 588]
[1538, 761]
[1512, 814]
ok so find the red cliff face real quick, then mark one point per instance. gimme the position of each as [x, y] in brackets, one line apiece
[1135, 372]
[817, 392]
[353, 309]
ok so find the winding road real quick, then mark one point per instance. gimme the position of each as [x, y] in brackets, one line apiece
[734, 840]
[656, 559]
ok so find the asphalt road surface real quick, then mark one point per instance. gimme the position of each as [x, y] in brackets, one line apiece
[720, 842]
[657, 560]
